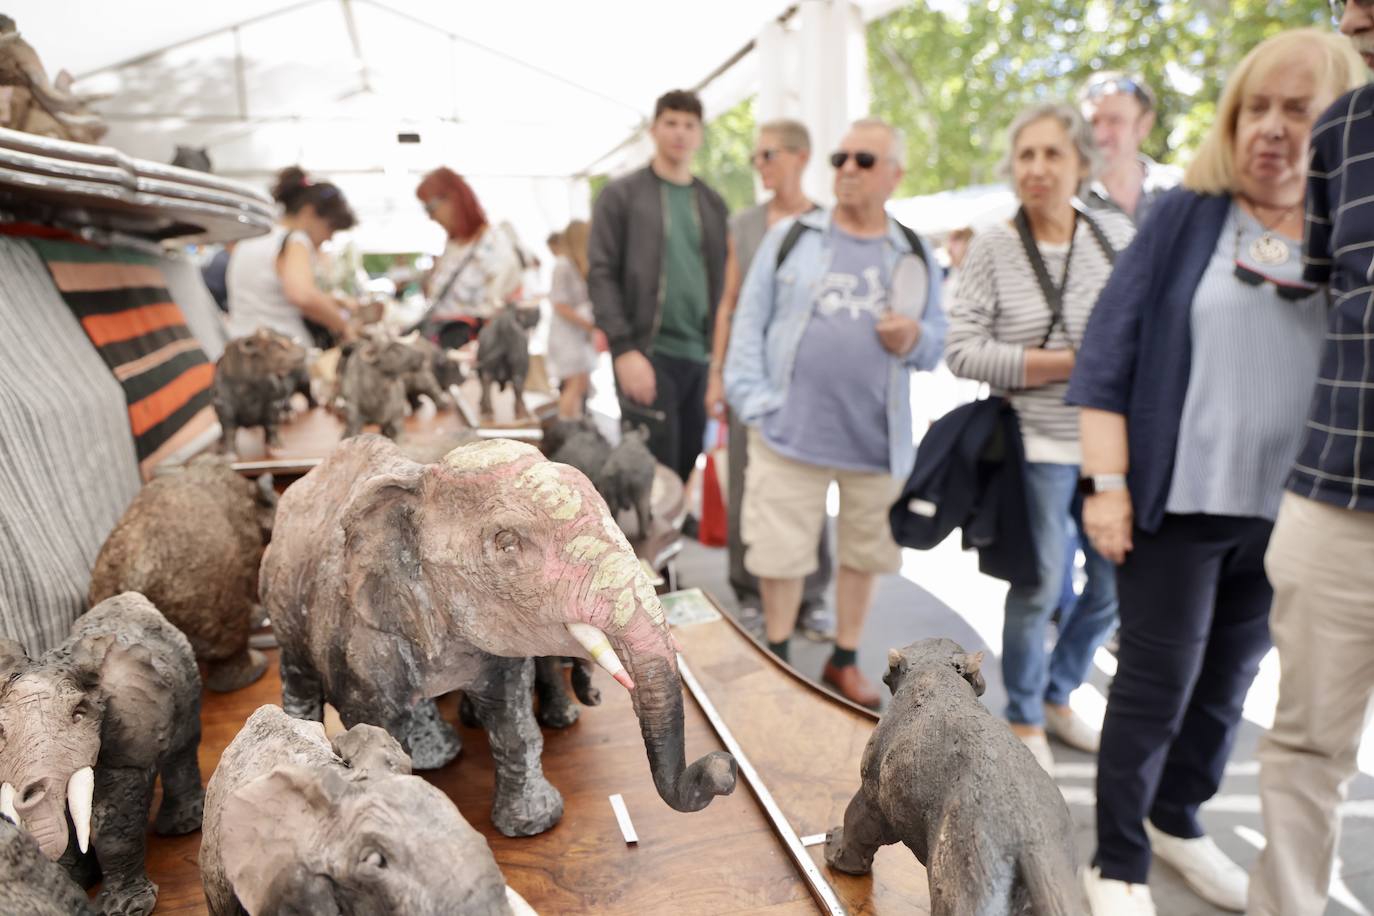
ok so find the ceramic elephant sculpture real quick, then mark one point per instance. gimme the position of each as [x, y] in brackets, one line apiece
[946, 778]
[86, 729]
[191, 542]
[626, 478]
[372, 384]
[503, 357]
[254, 380]
[30, 884]
[438, 371]
[389, 582]
[296, 823]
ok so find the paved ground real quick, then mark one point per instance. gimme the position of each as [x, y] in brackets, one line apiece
[968, 610]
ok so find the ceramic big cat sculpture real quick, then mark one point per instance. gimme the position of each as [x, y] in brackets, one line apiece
[951, 782]
[389, 582]
[85, 730]
[296, 823]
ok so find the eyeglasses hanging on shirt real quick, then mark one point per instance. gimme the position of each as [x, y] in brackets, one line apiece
[1287, 290]
[1054, 295]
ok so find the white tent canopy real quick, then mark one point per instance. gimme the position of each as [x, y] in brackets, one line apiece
[524, 98]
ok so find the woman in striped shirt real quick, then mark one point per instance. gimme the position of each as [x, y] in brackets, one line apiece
[1197, 373]
[1022, 303]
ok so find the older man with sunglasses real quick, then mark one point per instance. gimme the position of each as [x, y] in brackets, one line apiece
[836, 312]
[1121, 110]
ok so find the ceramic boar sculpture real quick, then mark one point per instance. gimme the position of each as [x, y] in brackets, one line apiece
[626, 478]
[191, 542]
[503, 358]
[389, 582]
[946, 778]
[254, 380]
[86, 729]
[30, 884]
[296, 823]
[372, 384]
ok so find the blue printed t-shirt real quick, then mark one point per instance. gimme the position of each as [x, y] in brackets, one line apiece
[835, 414]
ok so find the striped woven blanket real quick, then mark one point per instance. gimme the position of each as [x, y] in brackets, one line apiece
[120, 297]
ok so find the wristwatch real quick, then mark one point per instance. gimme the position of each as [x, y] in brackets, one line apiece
[1101, 483]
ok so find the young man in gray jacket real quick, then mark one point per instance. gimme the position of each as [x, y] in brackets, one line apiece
[656, 264]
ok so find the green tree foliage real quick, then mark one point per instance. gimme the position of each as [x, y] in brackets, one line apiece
[954, 76]
[723, 161]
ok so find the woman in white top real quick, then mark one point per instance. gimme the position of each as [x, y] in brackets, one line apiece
[271, 278]
[478, 272]
[572, 355]
[1004, 329]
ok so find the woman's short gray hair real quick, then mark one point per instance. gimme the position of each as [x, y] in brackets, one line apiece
[1068, 117]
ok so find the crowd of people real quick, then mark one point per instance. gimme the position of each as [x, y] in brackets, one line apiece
[1189, 356]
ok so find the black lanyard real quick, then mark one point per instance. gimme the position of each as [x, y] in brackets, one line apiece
[1054, 296]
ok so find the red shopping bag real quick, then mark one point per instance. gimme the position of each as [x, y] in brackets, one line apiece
[714, 530]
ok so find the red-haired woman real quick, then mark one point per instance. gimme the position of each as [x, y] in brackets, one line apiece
[478, 270]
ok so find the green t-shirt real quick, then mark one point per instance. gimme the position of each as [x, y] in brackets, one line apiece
[682, 328]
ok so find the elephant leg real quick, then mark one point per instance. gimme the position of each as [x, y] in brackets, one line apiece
[353, 421]
[525, 803]
[432, 742]
[484, 405]
[518, 386]
[643, 514]
[466, 713]
[587, 695]
[269, 430]
[183, 798]
[302, 693]
[228, 435]
[119, 818]
[851, 848]
[392, 430]
[239, 670]
[556, 709]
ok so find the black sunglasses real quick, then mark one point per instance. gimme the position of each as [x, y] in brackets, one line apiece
[1289, 292]
[862, 159]
[765, 155]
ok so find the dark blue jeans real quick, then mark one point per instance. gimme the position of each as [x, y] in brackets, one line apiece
[1194, 627]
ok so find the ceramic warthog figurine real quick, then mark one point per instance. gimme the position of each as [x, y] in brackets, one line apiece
[503, 357]
[191, 542]
[30, 885]
[390, 581]
[86, 729]
[296, 823]
[626, 479]
[942, 775]
[254, 380]
[372, 384]
[437, 372]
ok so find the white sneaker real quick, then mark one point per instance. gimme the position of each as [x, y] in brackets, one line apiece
[1069, 727]
[1206, 869]
[1116, 898]
[1039, 747]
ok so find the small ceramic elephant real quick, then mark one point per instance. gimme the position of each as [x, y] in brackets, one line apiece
[295, 823]
[254, 381]
[503, 358]
[87, 728]
[626, 478]
[586, 450]
[945, 777]
[30, 884]
[372, 384]
[558, 430]
[390, 581]
[438, 372]
[191, 542]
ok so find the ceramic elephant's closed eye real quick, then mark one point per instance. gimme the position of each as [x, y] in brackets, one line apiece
[946, 778]
[390, 582]
[30, 884]
[84, 732]
[191, 542]
[297, 824]
[254, 381]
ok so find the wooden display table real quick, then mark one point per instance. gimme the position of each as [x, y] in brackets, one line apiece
[804, 742]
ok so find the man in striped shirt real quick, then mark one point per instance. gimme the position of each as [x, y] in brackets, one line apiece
[1319, 557]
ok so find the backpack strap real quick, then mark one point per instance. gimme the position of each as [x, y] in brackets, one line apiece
[794, 232]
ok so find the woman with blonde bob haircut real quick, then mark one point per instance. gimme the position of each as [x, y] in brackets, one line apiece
[572, 355]
[1194, 380]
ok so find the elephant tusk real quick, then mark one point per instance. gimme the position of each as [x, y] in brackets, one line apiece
[80, 788]
[517, 903]
[599, 648]
[7, 803]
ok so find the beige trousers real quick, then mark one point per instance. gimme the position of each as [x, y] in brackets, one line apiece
[1321, 564]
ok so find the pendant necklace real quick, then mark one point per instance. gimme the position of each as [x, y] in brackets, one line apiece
[1266, 249]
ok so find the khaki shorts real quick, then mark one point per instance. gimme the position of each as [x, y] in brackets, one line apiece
[784, 510]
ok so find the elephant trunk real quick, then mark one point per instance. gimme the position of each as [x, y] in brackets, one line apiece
[41, 806]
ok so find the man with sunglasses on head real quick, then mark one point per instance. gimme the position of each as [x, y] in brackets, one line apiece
[656, 266]
[1319, 557]
[1121, 110]
[836, 312]
[781, 153]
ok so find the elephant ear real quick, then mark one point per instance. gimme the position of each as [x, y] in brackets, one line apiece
[386, 583]
[269, 823]
[367, 748]
[970, 668]
[137, 698]
[13, 659]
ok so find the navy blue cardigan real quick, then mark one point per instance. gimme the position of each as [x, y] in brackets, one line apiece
[1137, 350]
